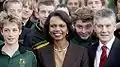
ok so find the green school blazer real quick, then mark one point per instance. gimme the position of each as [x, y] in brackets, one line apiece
[21, 58]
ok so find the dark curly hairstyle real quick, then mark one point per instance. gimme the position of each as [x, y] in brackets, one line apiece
[64, 16]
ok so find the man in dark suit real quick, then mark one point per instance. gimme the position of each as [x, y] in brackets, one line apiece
[105, 52]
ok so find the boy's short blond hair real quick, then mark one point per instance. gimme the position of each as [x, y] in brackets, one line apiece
[8, 20]
[31, 3]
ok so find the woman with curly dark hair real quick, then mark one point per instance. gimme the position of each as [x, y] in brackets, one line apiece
[60, 52]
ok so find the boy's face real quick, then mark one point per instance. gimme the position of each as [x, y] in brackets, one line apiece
[44, 11]
[94, 4]
[27, 11]
[15, 10]
[11, 33]
[73, 5]
[84, 29]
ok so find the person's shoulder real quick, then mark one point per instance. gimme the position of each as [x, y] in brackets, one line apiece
[96, 43]
[1, 43]
[26, 52]
[117, 42]
[30, 53]
[78, 50]
[78, 47]
[36, 30]
[38, 27]
[26, 29]
[30, 32]
[40, 45]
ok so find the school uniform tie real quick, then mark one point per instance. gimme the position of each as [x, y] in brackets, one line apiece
[103, 57]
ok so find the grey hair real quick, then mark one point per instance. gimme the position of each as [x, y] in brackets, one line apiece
[105, 13]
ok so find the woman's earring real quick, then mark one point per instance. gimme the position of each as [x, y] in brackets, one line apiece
[67, 32]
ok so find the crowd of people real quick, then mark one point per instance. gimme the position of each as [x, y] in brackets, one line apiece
[59, 33]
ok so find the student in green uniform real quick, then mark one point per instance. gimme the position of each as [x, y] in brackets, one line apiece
[12, 54]
[28, 8]
[83, 25]
[12, 8]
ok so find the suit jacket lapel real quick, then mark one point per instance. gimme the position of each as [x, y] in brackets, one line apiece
[92, 53]
[94, 49]
[114, 50]
[48, 56]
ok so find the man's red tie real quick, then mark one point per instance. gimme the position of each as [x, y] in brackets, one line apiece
[103, 57]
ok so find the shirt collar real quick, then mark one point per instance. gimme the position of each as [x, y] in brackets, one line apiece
[108, 45]
[21, 48]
